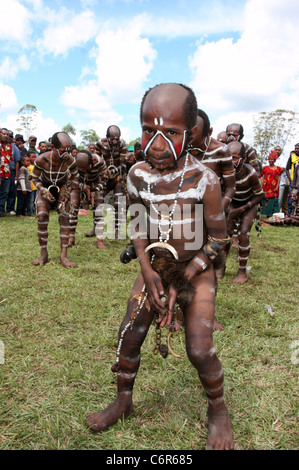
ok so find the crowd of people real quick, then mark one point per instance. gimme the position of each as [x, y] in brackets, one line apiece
[178, 165]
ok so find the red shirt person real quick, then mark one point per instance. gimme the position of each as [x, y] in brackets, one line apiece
[270, 183]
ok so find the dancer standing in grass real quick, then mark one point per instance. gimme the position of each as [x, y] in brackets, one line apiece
[167, 183]
[243, 207]
[50, 176]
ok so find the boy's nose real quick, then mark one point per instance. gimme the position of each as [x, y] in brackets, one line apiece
[159, 142]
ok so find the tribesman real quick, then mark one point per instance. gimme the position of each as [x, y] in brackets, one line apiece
[235, 133]
[92, 173]
[214, 155]
[177, 192]
[50, 176]
[243, 208]
[114, 151]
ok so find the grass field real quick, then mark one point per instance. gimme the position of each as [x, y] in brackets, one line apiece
[58, 338]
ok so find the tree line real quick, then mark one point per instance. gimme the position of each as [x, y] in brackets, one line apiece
[272, 128]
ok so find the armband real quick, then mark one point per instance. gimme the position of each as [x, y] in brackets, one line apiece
[213, 245]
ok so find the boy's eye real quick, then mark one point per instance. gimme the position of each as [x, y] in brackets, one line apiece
[148, 131]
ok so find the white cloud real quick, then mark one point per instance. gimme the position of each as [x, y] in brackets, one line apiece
[15, 24]
[210, 19]
[252, 72]
[258, 72]
[89, 107]
[66, 31]
[8, 99]
[11, 67]
[123, 62]
[42, 127]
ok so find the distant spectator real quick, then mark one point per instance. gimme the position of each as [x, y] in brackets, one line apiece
[14, 170]
[270, 184]
[6, 158]
[290, 169]
[20, 143]
[23, 187]
[42, 147]
[74, 151]
[32, 144]
[284, 181]
[32, 195]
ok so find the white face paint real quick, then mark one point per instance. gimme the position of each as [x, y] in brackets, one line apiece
[158, 121]
[169, 142]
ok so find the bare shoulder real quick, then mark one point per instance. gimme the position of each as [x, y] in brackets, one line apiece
[139, 169]
[250, 171]
[201, 171]
[104, 143]
[42, 159]
[71, 161]
[218, 150]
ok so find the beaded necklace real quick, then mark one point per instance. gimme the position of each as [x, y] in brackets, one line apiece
[54, 183]
[167, 218]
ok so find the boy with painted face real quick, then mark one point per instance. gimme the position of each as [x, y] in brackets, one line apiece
[169, 181]
[244, 205]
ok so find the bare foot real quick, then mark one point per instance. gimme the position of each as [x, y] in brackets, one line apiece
[92, 233]
[235, 242]
[102, 420]
[220, 431]
[67, 263]
[217, 326]
[220, 273]
[241, 277]
[100, 244]
[43, 259]
[71, 241]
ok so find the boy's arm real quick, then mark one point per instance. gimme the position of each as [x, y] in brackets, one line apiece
[215, 223]
[229, 179]
[140, 242]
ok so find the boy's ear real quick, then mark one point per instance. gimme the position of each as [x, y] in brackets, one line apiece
[193, 132]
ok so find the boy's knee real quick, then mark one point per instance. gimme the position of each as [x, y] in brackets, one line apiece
[200, 352]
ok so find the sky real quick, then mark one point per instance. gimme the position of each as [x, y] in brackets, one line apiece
[88, 62]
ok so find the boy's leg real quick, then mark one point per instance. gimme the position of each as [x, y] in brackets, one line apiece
[43, 208]
[130, 342]
[199, 320]
[247, 221]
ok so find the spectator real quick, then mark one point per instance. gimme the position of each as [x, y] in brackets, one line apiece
[32, 144]
[290, 170]
[270, 184]
[284, 181]
[33, 193]
[14, 170]
[6, 158]
[23, 187]
[74, 151]
[20, 143]
[42, 147]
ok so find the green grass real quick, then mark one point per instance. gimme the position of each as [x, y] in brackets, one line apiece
[59, 331]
